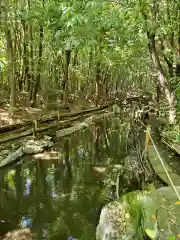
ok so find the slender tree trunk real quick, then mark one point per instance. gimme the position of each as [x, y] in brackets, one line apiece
[158, 93]
[169, 60]
[20, 57]
[178, 62]
[162, 79]
[98, 84]
[10, 71]
[66, 75]
[10, 53]
[170, 96]
[31, 80]
[75, 59]
[25, 56]
[38, 78]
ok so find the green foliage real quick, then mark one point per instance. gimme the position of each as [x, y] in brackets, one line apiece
[151, 233]
[109, 29]
[109, 35]
[173, 132]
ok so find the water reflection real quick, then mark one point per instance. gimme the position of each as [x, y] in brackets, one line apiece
[60, 198]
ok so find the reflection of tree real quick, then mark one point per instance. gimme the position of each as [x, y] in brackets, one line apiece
[68, 172]
[43, 199]
[18, 184]
[63, 197]
[97, 146]
[8, 219]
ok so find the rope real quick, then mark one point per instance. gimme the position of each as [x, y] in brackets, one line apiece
[161, 161]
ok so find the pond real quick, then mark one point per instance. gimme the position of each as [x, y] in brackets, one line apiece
[63, 196]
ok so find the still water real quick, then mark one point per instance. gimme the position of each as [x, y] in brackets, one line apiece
[62, 196]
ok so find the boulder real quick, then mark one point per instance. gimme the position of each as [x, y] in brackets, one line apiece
[117, 221]
[155, 214]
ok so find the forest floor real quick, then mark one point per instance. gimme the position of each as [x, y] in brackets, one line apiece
[23, 112]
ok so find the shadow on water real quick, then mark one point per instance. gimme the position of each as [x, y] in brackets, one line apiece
[62, 197]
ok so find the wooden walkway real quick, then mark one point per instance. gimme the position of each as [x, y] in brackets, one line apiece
[159, 169]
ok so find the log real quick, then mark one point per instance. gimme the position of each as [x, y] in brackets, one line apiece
[157, 154]
[56, 124]
[96, 117]
[12, 157]
[11, 127]
[68, 131]
[54, 117]
[30, 147]
[155, 162]
[175, 147]
[80, 126]
[14, 136]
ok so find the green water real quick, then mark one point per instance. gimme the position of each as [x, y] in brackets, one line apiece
[61, 198]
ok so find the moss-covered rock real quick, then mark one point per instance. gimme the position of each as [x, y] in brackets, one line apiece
[161, 213]
[155, 213]
[121, 219]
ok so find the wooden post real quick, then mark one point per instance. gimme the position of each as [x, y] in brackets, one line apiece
[35, 127]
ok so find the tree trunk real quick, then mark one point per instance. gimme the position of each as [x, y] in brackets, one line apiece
[10, 71]
[38, 78]
[162, 79]
[178, 62]
[31, 80]
[98, 78]
[170, 96]
[25, 55]
[158, 93]
[66, 74]
[75, 59]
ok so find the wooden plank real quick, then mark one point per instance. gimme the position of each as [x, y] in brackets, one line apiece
[156, 163]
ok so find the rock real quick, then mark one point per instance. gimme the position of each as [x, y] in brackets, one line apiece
[117, 222]
[5, 152]
[46, 137]
[30, 147]
[36, 146]
[33, 149]
[133, 174]
[12, 157]
[154, 213]
[164, 205]
[100, 169]
[19, 234]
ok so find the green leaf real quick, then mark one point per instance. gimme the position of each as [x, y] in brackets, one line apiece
[178, 138]
[151, 233]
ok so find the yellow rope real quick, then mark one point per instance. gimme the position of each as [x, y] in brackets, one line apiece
[147, 140]
[161, 161]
